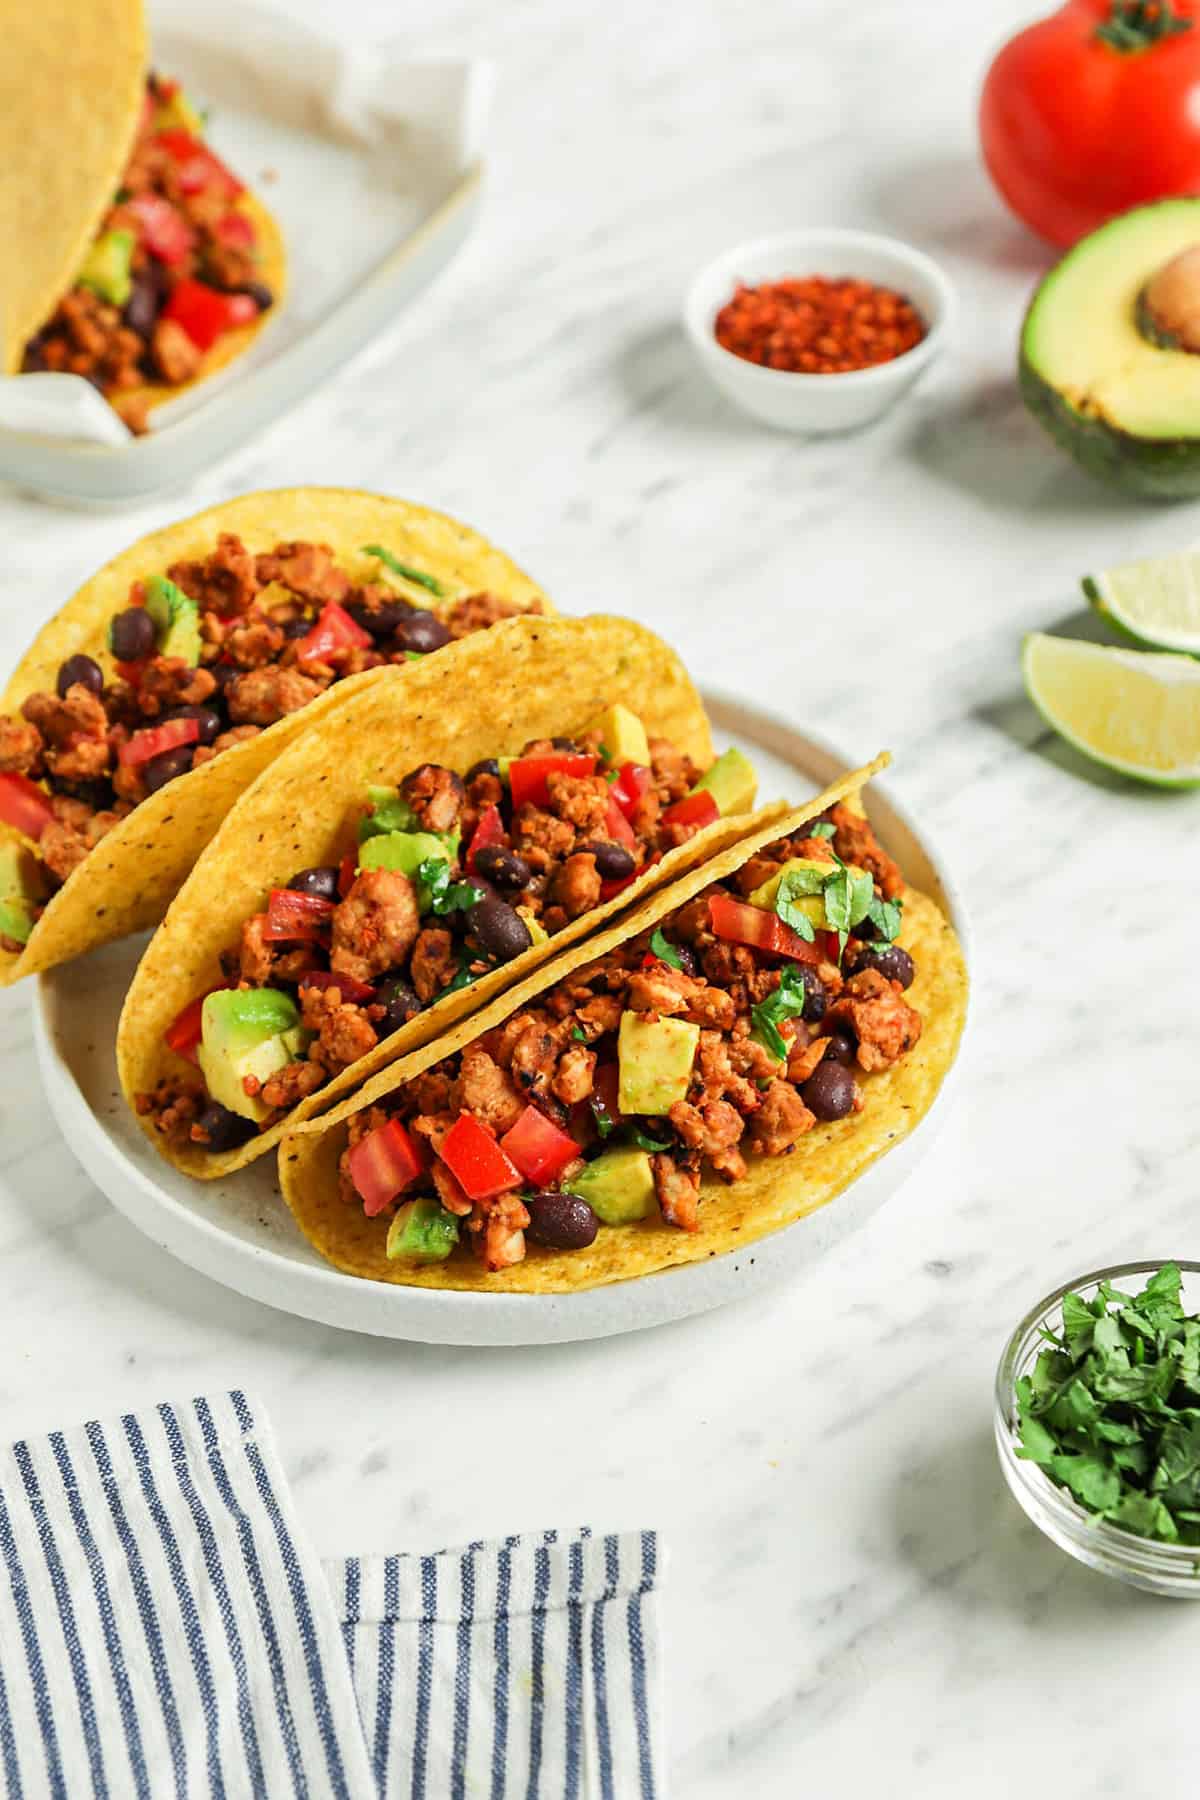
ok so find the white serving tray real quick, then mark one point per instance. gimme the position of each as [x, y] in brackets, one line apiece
[240, 1233]
[372, 165]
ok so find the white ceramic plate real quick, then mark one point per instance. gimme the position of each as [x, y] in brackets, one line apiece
[240, 1233]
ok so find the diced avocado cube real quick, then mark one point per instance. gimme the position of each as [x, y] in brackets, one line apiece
[654, 1058]
[421, 1232]
[178, 114]
[246, 1031]
[537, 931]
[402, 850]
[107, 268]
[176, 619]
[623, 735]
[731, 781]
[618, 1186]
[388, 813]
[22, 890]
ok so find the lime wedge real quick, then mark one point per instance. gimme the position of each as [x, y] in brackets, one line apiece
[1133, 711]
[1155, 602]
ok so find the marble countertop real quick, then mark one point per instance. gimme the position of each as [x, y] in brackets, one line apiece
[854, 1602]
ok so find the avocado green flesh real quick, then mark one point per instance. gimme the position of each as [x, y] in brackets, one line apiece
[618, 1186]
[421, 1232]
[1126, 409]
[731, 781]
[246, 1031]
[21, 891]
[655, 1058]
[404, 851]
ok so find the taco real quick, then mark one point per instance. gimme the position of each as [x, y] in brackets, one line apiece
[158, 267]
[426, 846]
[181, 670]
[721, 1061]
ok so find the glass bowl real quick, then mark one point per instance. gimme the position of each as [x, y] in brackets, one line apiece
[1171, 1569]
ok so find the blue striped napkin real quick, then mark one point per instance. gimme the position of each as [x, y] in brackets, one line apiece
[165, 1629]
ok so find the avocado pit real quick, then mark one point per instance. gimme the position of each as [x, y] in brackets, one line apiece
[1168, 307]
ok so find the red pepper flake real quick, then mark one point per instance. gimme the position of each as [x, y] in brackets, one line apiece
[816, 326]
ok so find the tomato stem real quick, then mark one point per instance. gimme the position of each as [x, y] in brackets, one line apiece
[1137, 24]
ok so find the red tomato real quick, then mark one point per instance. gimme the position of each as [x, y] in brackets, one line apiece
[1094, 110]
[237, 230]
[294, 918]
[476, 1161]
[164, 230]
[382, 1165]
[610, 889]
[527, 775]
[489, 831]
[334, 630]
[617, 827]
[24, 806]
[356, 991]
[183, 1033]
[157, 738]
[740, 923]
[698, 809]
[540, 1150]
[200, 311]
[632, 782]
[243, 310]
[197, 167]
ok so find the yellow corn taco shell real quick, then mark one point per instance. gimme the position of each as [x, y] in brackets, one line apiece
[489, 695]
[129, 879]
[71, 82]
[774, 1192]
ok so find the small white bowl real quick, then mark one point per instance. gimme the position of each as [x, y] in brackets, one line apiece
[818, 403]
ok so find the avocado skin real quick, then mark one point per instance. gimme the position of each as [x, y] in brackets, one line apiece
[1146, 468]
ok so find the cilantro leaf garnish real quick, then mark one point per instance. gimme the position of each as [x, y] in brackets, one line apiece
[787, 1002]
[405, 570]
[793, 885]
[438, 894]
[463, 979]
[578, 1033]
[885, 916]
[1111, 1408]
[644, 1141]
[664, 949]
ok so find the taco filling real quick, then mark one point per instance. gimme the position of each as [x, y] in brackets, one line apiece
[206, 656]
[448, 876]
[755, 1013]
[173, 268]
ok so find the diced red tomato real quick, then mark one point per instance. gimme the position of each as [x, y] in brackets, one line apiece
[198, 168]
[24, 806]
[382, 1165]
[170, 735]
[832, 945]
[334, 630]
[489, 831]
[633, 781]
[527, 775]
[540, 1150]
[610, 889]
[296, 918]
[347, 872]
[697, 809]
[617, 826]
[183, 1033]
[357, 992]
[237, 230]
[164, 230]
[204, 313]
[740, 923]
[476, 1161]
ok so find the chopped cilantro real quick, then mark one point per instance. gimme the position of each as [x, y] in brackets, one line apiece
[415, 655]
[612, 776]
[822, 829]
[1111, 1408]
[885, 916]
[604, 1121]
[794, 884]
[463, 979]
[578, 1033]
[644, 1141]
[787, 1002]
[438, 894]
[405, 570]
[665, 950]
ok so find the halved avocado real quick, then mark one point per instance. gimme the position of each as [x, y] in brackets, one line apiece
[1126, 407]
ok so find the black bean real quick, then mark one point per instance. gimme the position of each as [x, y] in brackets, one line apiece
[613, 861]
[260, 293]
[561, 1221]
[829, 1091]
[165, 767]
[487, 765]
[567, 744]
[401, 1002]
[864, 930]
[422, 631]
[500, 931]
[223, 673]
[321, 881]
[894, 964]
[818, 999]
[504, 867]
[382, 620]
[224, 1130]
[687, 959]
[80, 671]
[840, 1049]
[144, 304]
[294, 628]
[131, 635]
[207, 718]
